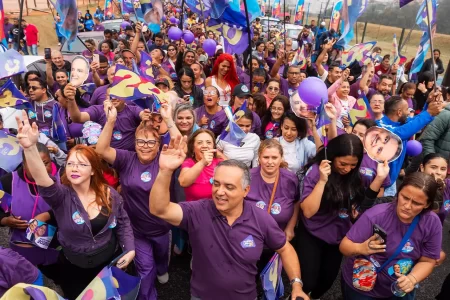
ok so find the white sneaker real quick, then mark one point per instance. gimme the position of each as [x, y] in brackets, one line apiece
[163, 278]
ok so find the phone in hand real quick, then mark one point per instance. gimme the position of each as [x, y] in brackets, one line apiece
[96, 58]
[47, 53]
[381, 233]
[116, 260]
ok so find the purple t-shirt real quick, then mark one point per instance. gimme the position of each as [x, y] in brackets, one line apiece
[201, 111]
[99, 95]
[90, 78]
[218, 122]
[286, 89]
[445, 208]
[286, 195]
[224, 256]
[426, 240]
[136, 180]
[73, 129]
[368, 172]
[124, 129]
[99, 27]
[326, 225]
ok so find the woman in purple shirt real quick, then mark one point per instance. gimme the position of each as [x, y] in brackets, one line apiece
[137, 171]
[91, 220]
[270, 126]
[332, 193]
[365, 250]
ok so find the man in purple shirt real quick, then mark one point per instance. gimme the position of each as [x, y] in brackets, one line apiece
[98, 26]
[227, 233]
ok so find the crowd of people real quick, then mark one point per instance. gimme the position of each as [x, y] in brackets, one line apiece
[153, 182]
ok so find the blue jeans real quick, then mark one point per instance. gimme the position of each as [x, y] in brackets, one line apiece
[34, 50]
[24, 48]
[350, 294]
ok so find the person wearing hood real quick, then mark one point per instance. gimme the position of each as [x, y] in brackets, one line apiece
[42, 102]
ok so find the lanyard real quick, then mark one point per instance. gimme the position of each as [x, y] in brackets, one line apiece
[35, 192]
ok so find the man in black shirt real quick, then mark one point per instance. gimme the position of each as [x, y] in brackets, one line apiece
[14, 33]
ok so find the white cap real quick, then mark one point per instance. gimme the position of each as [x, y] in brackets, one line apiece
[323, 23]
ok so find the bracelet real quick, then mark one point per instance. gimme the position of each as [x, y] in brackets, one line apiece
[414, 278]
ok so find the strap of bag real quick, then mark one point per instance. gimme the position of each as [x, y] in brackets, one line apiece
[273, 193]
[402, 243]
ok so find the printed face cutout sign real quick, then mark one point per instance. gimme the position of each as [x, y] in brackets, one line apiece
[382, 145]
[300, 108]
[79, 71]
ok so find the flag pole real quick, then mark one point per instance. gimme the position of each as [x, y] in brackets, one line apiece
[284, 26]
[20, 25]
[431, 43]
[249, 33]
[181, 15]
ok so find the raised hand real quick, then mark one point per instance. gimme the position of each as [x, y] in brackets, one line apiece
[172, 155]
[383, 170]
[70, 91]
[166, 111]
[110, 111]
[208, 156]
[27, 134]
[331, 111]
[325, 170]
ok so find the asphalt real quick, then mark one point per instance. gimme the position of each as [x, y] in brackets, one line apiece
[178, 286]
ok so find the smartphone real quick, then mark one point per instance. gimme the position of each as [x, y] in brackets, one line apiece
[47, 53]
[381, 232]
[96, 58]
[115, 260]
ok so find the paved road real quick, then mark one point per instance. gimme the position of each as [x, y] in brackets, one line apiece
[178, 286]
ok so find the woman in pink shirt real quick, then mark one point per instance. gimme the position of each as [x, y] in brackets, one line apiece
[338, 95]
[197, 171]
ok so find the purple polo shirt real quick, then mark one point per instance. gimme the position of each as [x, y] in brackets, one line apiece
[426, 240]
[445, 208]
[224, 256]
[368, 172]
[286, 89]
[328, 226]
[127, 122]
[15, 269]
[99, 95]
[286, 195]
[136, 180]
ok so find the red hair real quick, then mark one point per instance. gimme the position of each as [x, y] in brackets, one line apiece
[98, 183]
[231, 77]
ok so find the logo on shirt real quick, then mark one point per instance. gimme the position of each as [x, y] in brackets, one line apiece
[117, 135]
[113, 223]
[45, 131]
[366, 172]
[146, 176]
[343, 213]
[212, 124]
[446, 205]
[31, 114]
[260, 204]
[47, 114]
[269, 134]
[248, 242]
[275, 209]
[77, 218]
[409, 247]
[401, 267]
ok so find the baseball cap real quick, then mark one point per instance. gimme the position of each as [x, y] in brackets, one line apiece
[128, 28]
[162, 81]
[241, 90]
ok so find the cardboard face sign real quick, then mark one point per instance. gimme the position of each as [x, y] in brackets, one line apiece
[381, 144]
[300, 108]
[80, 71]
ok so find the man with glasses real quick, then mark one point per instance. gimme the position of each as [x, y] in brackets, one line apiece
[290, 85]
[128, 117]
[42, 102]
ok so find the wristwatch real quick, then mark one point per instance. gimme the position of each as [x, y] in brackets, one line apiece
[296, 279]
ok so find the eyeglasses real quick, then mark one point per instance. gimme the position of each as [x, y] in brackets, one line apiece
[271, 88]
[34, 88]
[149, 143]
[209, 93]
[277, 109]
[78, 166]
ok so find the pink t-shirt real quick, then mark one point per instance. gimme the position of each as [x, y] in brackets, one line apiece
[202, 187]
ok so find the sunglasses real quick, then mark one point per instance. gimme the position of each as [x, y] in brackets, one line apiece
[34, 88]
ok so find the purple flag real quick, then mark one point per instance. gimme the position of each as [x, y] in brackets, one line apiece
[10, 152]
[404, 2]
[67, 10]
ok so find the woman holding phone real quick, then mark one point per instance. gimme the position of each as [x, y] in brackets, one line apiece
[407, 253]
[186, 88]
[92, 222]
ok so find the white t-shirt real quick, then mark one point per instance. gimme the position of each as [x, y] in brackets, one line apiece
[247, 153]
[290, 155]
[344, 113]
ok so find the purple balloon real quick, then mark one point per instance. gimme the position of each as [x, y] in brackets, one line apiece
[175, 33]
[209, 45]
[413, 148]
[312, 90]
[124, 24]
[188, 37]
[173, 20]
